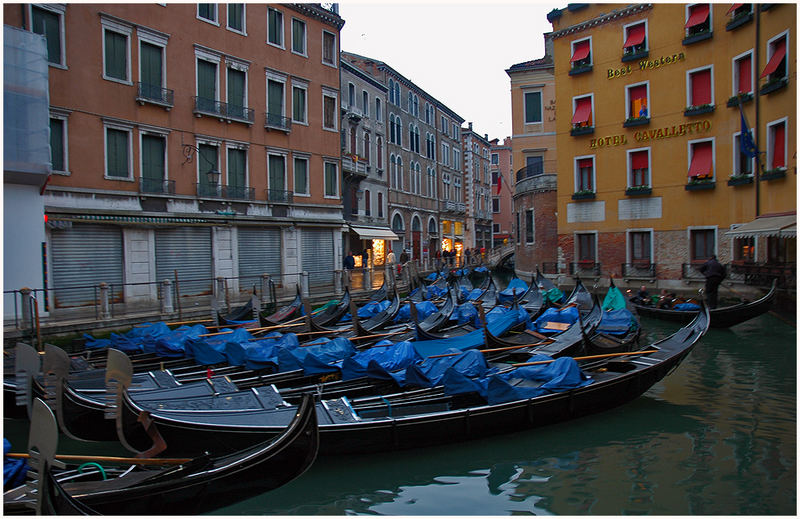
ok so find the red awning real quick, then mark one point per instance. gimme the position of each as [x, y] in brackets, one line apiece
[584, 163]
[635, 36]
[639, 160]
[697, 15]
[701, 160]
[580, 51]
[734, 7]
[775, 60]
[583, 110]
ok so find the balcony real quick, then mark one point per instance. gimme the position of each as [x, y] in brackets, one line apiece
[451, 206]
[156, 186]
[354, 165]
[691, 272]
[639, 270]
[762, 274]
[531, 170]
[155, 94]
[279, 196]
[209, 190]
[238, 193]
[585, 269]
[277, 122]
[225, 111]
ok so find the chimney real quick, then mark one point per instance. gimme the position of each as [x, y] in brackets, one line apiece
[470, 126]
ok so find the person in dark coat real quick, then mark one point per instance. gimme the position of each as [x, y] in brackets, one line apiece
[714, 273]
[364, 258]
[349, 261]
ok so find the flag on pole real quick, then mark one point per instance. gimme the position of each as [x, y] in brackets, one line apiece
[746, 145]
[499, 181]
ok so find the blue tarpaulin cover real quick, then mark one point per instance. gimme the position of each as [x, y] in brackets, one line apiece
[368, 310]
[435, 292]
[429, 372]
[380, 359]
[432, 276]
[212, 350]
[466, 313]
[616, 322]
[236, 351]
[691, 307]
[316, 358]
[172, 343]
[480, 269]
[424, 309]
[474, 294]
[498, 322]
[567, 315]
[515, 286]
[14, 469]
[262, 354]
[138, 339]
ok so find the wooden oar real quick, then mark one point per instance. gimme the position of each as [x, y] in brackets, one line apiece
[109, 459]
[362, 337]
[255, 330]
[587, 357]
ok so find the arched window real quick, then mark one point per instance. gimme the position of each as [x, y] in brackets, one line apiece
[399, 131]
[415, 224]
[393, 170]
[378, 111]
[432, 226]
[379, 151]
[351, 95]
[397, 94]
[400, 180]
[353, 140]
[391, 128]
[397, 223]
[410, 102]
[365, 102]
[367, 202]
[391, 90]
[366, 147]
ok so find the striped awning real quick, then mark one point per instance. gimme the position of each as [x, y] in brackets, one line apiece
[783, 226]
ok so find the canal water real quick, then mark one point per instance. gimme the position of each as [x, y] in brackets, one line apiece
[715, 437]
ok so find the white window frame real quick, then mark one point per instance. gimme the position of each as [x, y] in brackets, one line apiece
[769, 51]
[285, 155]
[240, 66]
[335, 163]
[282, 44]
[771, 145]
[576, 244]
[305, 38]
[572, 51]
[60, 11]
[329, 92]
[240, 146]
[335, 53]
[302, 85]
[629, 115]
[124, 30]
[156, 132]
[215, 21]
[689, 155]
[575, 106]
[456, 158]
[307, 158]
[156, 39]
[577, 172]
[114, 125]
[735, 151]
[689, 84]
[691, 228]
[628, 244]
[243, 31]
[277, 78]
[646, 34]
[211, 57]
[629, 155]
[63, 116]
[525, 105]
[735, 72]
[687, 10]
[208, 142]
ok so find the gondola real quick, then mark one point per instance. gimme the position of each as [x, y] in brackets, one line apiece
[201, 485]
[723, 317]
[580, 296]
[284, 313]
[238, 316]
[428, 416]
[516, 287]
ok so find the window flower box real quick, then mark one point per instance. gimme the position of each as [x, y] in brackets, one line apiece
[740, 180]
[580, 69]
[636, 121]
[773, 85]
[773, 174]
[698, 110]
[581, 130]
[698, 184]
[740, 99]
[700, 36]
[584, 195]
[635, 55]
[738, 21]
[638, 190]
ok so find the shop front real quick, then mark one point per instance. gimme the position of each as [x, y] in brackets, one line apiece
[375, 240]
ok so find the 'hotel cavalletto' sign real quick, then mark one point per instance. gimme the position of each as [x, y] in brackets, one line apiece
[676, 130]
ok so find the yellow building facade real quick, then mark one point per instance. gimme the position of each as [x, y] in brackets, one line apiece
[653, 177]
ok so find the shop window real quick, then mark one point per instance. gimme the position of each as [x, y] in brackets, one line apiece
[744, 250]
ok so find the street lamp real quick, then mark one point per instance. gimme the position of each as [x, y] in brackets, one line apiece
[212, 175]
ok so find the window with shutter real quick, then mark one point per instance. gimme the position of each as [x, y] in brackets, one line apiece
[117, 154]
[48, 24]
[57, 152]
[116, 55]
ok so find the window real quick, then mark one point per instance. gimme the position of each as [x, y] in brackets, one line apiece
[584, 174]
[378, 110]
[744, 250]
[781, 250]
[585, 245]
[391, 91]
[237, 93]
[276, 176]
[400, 179]
[457, 188]
[529, 229]
[776, 68]
[380, 204]
[116, 50]
[495, 159]
[737, 10]
[742, 164]
[329, 111]
[776, 145]
[518, 233]
[582, 112]
[151, 72]
[274, 27]
[49, 21]
[637, 101]
[444, 125]
[445, 154]
[533, 107]
[534, 166]
[329, 48]
[495, 228]
[581, 53]
[275, 102]
[393, 171]
[430, 188]
[698, 19]
[354, 200]
[379, 152]
[298, 36]
[635, 38]
[236, 17]
[331, 180]
[410, 105]
[58, 145]
[701, 156]
[699, 87]
[456, 159]
[639, 249]
[118, 153]
[353, 140]
[207, 160]
[207, 12]
[455, 131]
[299, 104]
[367, 203]
[703, 243]
[639, 168]
[207, 86]
[398, 131]
[365, 103]
[392, 129]
[366, 147]
[301, 176]
[743, 73]
[153, 169]
[445, 186]
[495, 205]
[237, 173]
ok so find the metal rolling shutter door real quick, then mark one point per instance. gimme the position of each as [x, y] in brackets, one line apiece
[318, 256]
[85, 255]
[259, 253]
[187, 250]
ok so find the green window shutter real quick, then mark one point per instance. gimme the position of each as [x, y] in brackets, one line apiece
[206, 80]
[301, 176]
[298, 104]
[116, 55]
[117, 153]
[274, 97]
[330, 179]
[207, 11]
[207, 161]
[236, 168]
[153, 158]
[236, 84]
[276, 173]
[47, 23]
[150, 56]
[298, 36]
[533, 107]
[275, 22]
[57, 144]
[235, 12]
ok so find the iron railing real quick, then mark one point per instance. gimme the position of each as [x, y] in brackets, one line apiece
[209, 190]
[204, 105]
[530, 170]
[148, 93]
[238, 192]
[641, 270]
[277, 122]
[584, 268]
[156, 186]
[279, 196]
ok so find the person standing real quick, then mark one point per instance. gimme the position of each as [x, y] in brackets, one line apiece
[390, 258]
[467, 254]
[364, 258]
[349, 261]
[714, 273]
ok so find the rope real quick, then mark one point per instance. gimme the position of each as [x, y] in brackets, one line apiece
[388, 405]
[90, 464]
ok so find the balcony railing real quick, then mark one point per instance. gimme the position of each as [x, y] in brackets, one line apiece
[205, 106]
[452, 206]
[639, 270]
[279, 196]
[209, 190]
[530, 170]
[353, 165]
[147, 93]
[156, 186]
[277, 122]
[762, 274]
[238, 192]
[585, 268]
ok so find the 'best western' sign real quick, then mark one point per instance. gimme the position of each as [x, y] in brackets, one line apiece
[646, 64]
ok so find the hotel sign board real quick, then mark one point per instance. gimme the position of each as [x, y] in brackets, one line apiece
[646, 64]
[676, 130]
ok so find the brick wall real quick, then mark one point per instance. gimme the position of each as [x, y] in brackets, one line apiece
[545, 246]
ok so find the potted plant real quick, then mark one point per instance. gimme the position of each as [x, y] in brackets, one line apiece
[638, 190]
[772, 174]
[583, 194]
[636, 121]
[738, 180]
[773, 84]
[698, 109]
[698, 183]
[581, 129]
[740, 99]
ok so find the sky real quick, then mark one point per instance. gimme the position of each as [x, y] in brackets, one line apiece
[456, 52]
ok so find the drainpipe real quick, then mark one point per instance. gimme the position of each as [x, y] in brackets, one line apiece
[756, 55]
